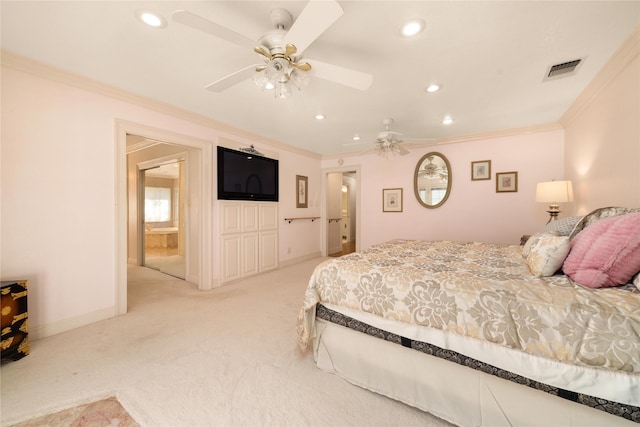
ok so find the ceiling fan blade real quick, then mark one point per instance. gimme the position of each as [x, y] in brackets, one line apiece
[389, 136]
[427, 141]
[198, 22]
[344, 76]
[351, 144]
[402, 151]
[315, 18]
[232, 79]
[421, 142]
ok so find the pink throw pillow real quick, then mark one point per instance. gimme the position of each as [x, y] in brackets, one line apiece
[606, 253]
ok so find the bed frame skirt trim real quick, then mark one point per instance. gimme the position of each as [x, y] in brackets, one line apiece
[581, 407]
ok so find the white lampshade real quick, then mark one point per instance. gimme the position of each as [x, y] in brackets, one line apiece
[554, 192]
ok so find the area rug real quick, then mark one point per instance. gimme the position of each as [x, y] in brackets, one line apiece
[103, 413]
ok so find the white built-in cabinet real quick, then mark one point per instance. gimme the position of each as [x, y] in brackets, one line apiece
[249, 238]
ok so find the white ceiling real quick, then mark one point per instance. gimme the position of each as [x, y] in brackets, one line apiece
[489, 57]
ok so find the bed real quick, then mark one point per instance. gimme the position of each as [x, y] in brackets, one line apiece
[545, 333]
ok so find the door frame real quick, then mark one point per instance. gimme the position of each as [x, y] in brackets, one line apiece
[323, 204]
[203, 150]
[141, 168]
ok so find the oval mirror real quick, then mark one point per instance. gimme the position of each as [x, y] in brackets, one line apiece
[432, 180]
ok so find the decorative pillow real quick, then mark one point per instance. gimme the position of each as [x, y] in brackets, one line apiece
[564, 226]
[597, 214]
[547, 254]
[636, 281]
[529, 243]
[606, 253]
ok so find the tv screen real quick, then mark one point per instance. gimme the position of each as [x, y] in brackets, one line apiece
[244, 176]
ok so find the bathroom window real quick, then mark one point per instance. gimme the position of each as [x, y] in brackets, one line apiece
[437, 194]
[157, 204]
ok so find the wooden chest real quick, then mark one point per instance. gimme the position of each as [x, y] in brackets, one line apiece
[15, 322]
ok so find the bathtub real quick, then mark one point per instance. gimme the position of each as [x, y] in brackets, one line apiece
[161, 237]
[160, 230]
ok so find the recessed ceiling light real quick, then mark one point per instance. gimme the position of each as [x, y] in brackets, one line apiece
[320, 116]
[447, 120]
[356, 137]
[432, 88]
[412, 27]
[151, 19]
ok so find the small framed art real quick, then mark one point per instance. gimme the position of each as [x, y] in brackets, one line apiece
[301, 191]
[392, 200]
[506, 182]
[480, 170]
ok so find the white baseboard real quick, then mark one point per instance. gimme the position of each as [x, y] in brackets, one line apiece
[297, 260]
[71, 323]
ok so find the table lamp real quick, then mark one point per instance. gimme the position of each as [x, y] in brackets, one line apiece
[554, 192]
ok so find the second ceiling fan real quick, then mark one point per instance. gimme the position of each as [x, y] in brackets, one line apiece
[388, 141]
[282, 68]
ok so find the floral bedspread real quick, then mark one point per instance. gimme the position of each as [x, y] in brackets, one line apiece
[482, 291]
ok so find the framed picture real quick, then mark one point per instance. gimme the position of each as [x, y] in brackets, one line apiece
[506, 182]
[392, 200]
[480, 170]
[301, 190]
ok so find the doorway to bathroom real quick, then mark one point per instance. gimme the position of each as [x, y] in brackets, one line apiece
[140, 147]
[341, 209]
[163, 211]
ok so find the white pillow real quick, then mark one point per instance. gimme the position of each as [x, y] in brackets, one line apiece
[636, 281]
[530, 242]
[547, 254]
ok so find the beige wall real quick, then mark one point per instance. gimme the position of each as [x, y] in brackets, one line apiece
[602, 135]
[474, 210]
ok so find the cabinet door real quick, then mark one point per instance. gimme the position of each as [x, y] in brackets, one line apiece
[268, 216]
[230, 260]
[230, 218]
[268, 250]
[250, 254]
[249, 217]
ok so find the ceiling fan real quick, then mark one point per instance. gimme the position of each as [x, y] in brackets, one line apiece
[388, 141]
[433, 171]
[281, 49]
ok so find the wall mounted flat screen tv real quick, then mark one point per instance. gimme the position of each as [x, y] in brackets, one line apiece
[244, 176]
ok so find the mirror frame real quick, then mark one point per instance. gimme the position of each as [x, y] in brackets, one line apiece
[415, 179]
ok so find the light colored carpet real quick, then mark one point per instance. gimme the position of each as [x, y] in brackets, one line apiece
[182, 357]
[172, 265]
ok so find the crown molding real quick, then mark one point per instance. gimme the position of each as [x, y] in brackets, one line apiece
[628, 52]
[30, 66]
[503, 133]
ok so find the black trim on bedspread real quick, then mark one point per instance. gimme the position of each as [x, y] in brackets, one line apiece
[619, 409]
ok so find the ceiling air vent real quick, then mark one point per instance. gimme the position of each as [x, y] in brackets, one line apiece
[562, 69]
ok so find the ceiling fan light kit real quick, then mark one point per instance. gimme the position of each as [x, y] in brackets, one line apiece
[388, 148]
[281, 72]
[388, 141]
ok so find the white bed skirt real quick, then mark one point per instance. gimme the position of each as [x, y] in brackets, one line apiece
[458, 394]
